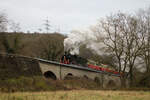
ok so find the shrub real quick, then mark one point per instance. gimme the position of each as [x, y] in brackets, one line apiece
[38, 83]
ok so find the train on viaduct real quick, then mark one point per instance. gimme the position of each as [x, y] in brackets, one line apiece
[55, 70]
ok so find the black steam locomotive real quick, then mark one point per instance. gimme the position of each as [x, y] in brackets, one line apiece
[67, 58]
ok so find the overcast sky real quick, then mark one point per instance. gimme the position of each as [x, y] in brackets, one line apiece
[65, 15]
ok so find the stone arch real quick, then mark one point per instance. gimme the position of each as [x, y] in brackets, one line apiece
[69, 76]
[50, 74]
[111, 84]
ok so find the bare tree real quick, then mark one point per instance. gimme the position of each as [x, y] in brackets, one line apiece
[3, 22]
[15, 27]
[144, 19]
[3, 28]
[124, 40]
[12, 44]
[51, 46]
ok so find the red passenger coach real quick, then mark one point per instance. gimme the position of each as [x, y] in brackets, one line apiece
[103, 69]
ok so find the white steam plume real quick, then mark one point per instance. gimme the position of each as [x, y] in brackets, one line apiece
[77, 38]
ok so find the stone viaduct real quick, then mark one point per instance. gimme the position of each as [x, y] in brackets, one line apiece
[55, 70]
[27, 66]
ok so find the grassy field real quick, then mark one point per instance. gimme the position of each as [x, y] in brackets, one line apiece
[77, 95]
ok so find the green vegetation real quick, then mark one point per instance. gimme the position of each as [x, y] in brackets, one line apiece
[77, 95]
[39, 83]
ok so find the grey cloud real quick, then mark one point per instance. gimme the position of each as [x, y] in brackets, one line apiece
[68, 14]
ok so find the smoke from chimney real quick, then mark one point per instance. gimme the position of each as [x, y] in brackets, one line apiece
[77, 38]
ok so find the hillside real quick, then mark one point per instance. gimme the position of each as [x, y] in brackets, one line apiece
[45, 46]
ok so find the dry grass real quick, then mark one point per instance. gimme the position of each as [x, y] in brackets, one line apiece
[77, 95]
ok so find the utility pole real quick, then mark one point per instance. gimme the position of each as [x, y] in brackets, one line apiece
[47, 25]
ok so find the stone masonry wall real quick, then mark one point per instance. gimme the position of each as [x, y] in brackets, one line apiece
[15, 66]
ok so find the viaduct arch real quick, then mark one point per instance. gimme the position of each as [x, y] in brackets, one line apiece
[50, 74]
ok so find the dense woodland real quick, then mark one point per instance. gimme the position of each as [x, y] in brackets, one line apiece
[126, 40]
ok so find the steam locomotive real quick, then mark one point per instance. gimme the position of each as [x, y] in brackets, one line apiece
[67, 58]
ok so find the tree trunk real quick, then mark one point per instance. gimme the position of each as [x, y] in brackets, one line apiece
[131, 77]
[123, 82]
